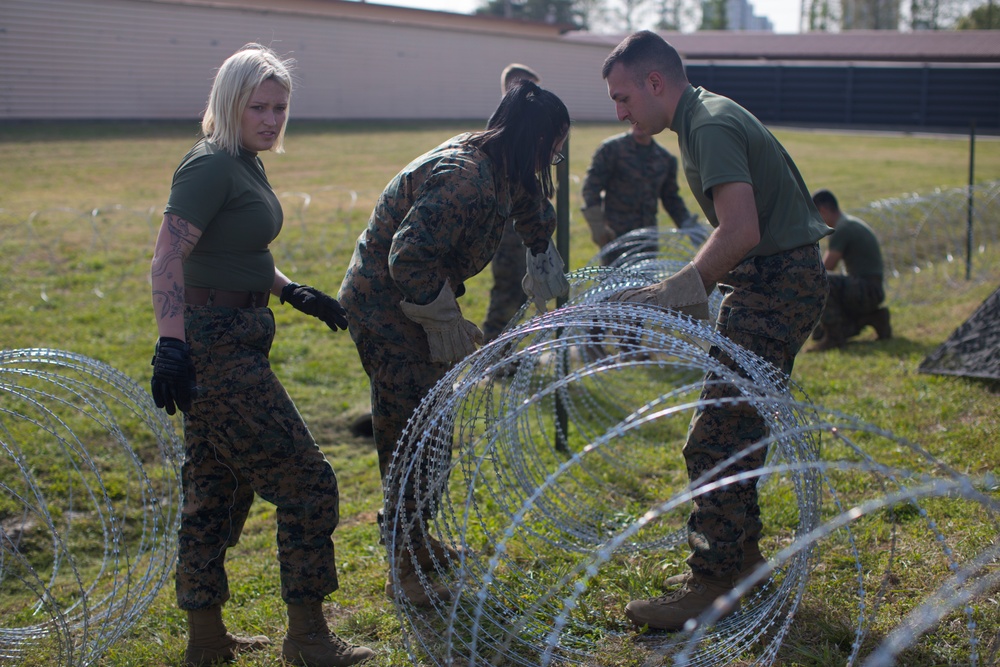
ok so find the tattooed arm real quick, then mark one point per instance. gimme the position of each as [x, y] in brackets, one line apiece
[174, 243]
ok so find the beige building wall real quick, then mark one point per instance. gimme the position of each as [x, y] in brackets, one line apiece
[154, 59]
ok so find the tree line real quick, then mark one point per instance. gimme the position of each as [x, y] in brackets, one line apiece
[690, 15]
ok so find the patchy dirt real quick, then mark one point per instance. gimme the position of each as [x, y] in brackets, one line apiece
[346, 428]
[17, 529]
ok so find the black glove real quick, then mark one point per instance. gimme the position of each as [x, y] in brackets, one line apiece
[313, 302]
[173, 382]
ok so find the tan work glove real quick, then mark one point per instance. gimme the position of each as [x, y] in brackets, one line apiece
[684, 291]
[600, 232]
[544, 278]
[450, 336]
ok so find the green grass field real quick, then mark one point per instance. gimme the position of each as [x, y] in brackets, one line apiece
[81, 203]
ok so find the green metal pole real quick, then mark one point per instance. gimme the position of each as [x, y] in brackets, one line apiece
[562, 245]
[972, 180]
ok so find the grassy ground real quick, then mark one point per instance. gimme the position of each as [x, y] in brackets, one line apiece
[78, 211]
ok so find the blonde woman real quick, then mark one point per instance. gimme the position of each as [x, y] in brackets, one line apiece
[212, 276]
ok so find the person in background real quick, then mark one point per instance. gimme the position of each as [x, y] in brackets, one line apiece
[508, 265]
[855, 299]
[437, 224]
[764, 256]
[212, 274]
[629, 175]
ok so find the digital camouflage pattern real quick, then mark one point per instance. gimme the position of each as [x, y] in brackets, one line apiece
[506, 296]
[861, 291]
[441, 218]
[850, 299]
[770, 306]
[399, 381]
[634, 179]
[973, 349]
[243, 436]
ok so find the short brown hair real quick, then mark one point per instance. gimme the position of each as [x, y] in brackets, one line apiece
[825, 198]
[644, 52]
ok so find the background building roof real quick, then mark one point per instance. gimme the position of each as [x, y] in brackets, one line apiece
[966, 46]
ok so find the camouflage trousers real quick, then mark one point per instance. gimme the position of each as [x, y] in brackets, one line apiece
[400, 378]
[771, 305]
[244, 436]
[506, 296]
[849, 299]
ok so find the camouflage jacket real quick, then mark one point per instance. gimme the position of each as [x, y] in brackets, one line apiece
[632, 179]
[439, 219]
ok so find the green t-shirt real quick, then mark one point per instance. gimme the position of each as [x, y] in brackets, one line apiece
[858, 245]
[229, 199]
[721, 142]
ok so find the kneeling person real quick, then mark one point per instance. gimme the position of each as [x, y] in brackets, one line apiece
[855, 299]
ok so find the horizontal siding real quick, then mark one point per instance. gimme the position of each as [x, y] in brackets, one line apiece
[121, 59]
[137, 59]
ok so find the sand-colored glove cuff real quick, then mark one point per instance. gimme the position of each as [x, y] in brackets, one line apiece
[450, 337]
[684, 291]
[545, 278]
[600, 232]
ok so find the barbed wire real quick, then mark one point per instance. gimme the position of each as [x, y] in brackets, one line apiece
[89, 505]
[553, 470]
[92, 253]
[926, 237]
[562, 431]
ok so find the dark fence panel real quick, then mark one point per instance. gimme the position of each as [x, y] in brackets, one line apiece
[883, 96]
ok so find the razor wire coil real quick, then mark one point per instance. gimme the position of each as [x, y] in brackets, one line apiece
[89, 498]
[537, 511]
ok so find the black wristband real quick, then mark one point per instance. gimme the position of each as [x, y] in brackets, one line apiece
[286, 291]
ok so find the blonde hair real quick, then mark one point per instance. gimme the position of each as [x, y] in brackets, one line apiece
[234, 85]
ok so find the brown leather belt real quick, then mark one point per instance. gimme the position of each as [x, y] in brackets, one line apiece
[206, 296]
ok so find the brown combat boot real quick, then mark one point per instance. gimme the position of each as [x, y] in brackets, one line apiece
[880, 321]
[209, 642]
[672, 611]
[752, 559]
[418, 587]
[435, 554]
[310, 643]
[431, 557]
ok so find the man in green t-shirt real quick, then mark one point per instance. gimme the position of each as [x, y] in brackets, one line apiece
[854, 299]
[764, 255]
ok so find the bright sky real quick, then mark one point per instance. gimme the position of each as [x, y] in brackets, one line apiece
[784, 14]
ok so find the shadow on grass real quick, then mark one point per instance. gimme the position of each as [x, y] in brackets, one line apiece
[903, 348]
[98, 130]
[897, 346]
[823, 635]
